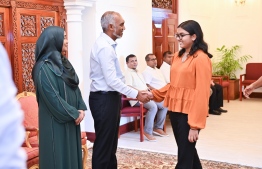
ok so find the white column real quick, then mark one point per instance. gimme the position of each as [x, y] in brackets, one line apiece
[74, 34]
[75, 43]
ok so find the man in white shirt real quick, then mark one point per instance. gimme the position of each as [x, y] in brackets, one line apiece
[106, 86]
[166, 65]
[12, 132]
[136, 80]
[152, 75]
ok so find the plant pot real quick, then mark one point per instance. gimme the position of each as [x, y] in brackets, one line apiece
[233, 90]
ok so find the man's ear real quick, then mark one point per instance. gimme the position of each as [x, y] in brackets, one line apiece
[110, 27]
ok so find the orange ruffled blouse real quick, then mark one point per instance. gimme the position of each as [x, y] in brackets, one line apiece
[189, 88]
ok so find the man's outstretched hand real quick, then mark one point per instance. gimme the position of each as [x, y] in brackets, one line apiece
[144, 96]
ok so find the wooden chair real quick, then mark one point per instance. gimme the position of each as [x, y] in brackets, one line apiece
[253, 72]
[30, 107]
[84, 149]
[128, 111]
[32, 155]
[224, 82]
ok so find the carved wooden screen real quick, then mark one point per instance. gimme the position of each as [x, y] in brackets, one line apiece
[30, 24]
[5, 29]
[21, 23]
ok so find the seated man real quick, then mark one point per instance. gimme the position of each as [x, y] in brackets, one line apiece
[166, 65]
[216, 99]
[135, 79]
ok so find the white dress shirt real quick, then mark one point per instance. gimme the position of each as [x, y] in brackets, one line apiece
[12, 132]
[105, 71]
[165, 69]
[154, 77]
[136, 80]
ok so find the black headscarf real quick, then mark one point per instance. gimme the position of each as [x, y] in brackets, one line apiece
[48, 49]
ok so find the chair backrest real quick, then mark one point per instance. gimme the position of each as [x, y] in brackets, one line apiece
[125, 103]
[253, 71]
[29, 105]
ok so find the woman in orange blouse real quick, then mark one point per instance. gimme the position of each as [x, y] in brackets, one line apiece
[187, 94]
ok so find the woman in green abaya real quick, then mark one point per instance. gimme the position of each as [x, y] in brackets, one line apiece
[61, 106]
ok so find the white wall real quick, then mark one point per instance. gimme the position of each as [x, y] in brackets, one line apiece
[225, 23]
[137, 38]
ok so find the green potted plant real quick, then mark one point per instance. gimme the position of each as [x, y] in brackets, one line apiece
[228, 63]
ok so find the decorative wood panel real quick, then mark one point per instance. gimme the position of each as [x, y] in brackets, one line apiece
[28, 25]
[167, 4]
[32, 5]
[62, 16]
[2, 32]
[4, 27]
[5, 3]
[46, 21]
[24, 21]
[16, 63]
[28, 61]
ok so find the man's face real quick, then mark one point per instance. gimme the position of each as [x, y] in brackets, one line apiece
[152, 61]
[119, 26]
[168, 58]
[132, 63]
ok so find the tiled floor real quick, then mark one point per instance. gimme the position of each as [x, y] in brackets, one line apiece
[234, 137]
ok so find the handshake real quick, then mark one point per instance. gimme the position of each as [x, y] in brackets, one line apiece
[144, 96]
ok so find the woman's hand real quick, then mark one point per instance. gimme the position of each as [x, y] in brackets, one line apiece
[193, 135]
[80, 117]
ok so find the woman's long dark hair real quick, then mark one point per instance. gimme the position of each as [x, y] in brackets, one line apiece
[193, 27]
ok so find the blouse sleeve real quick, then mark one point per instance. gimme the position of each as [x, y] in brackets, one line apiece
[199, 107]
[81, 103]
[48, 92]
[160, 94]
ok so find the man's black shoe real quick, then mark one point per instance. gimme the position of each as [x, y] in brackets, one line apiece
[214, 112]
[222, 110]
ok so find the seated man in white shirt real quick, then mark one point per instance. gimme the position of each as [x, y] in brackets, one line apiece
[135, 79]
[166, 65]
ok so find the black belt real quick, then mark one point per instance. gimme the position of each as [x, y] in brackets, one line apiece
[107, 92]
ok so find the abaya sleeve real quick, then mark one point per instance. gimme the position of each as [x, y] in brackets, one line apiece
[48, 89]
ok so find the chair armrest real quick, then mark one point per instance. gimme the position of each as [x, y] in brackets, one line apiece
[242, 75]
[27, 133]
[128, 99]
[30, 128]
[217, 78]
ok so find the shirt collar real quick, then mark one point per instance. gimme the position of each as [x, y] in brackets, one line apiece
[164, 63]
[109, 40]
[132, 70]
[151, 68]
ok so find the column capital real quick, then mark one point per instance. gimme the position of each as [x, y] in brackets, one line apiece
[78, 4]
[74, 9]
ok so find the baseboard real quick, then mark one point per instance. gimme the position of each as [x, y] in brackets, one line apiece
[91, 136]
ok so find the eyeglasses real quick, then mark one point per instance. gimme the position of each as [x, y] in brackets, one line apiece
[180, 36]
[152, 59]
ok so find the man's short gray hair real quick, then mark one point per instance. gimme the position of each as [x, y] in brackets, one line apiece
[108, 18]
